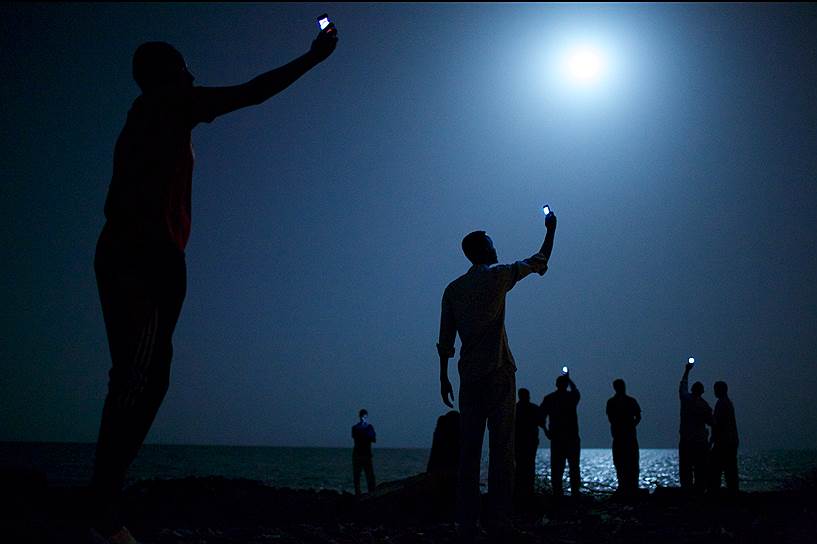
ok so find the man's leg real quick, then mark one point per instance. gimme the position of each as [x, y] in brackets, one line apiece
[501, 449]
[357, 466]
[619, 463]
[370, 483]
[141, 298]
[730, 464]
[700, 466]
[634, 465]
[557, 466]
[684, 465]
[715, 468]
[525, 472]
[472, 432]
[575, 473]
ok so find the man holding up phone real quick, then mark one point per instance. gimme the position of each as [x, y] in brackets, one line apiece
[473, 306]
[140, 261]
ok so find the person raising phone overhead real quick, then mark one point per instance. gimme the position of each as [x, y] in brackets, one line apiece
[140, 262]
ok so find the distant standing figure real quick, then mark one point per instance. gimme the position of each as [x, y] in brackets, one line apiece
[693, 448]
[473, 306]
[140, 255]
[563, 431]
[526, 443]
[724, 455]
[624, 414]
[364, 436]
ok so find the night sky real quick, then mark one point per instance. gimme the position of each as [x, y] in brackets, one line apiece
[328, 220]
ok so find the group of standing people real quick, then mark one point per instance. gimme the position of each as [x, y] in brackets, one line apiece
[703, 459]
[473, 307]
[557, 416]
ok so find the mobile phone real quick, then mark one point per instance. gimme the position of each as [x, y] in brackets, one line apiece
[564, 370]
[323, 22]
[691, 360]
[546, 209]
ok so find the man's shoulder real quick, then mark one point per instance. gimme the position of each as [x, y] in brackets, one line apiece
[457, 284]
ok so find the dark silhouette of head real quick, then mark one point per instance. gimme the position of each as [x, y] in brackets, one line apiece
[363, 412]
[158, 65]
[524, 395]
[697, 389]
[479, 248]
[562, 382]
[619, 386]
[720, 389]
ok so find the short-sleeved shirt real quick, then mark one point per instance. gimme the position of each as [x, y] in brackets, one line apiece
[473, 305]
[725, 428]
[149, 197]
[528, 420]
[560, 407]
[696, 414]
[623, 411]
[363, 435]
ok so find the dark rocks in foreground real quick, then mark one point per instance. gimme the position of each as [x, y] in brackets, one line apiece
[418, 509]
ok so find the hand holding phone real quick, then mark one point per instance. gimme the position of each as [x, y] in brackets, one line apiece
[325, 25]
[550, 217]
[327, 39]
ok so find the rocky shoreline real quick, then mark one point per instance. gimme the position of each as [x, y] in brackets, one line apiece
[223, 511]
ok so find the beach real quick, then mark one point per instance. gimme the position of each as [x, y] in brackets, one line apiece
[218, 510]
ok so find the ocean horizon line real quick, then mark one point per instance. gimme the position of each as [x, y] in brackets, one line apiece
[542, 446]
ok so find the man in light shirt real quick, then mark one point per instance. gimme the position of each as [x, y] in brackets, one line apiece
[473, 306]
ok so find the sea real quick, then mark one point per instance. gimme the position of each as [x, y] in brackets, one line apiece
[70, 464]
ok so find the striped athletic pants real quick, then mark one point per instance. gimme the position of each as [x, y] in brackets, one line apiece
[141, 291]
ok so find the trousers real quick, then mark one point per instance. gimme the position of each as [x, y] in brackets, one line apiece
[141, 291]
[364, 464]
[491, 401]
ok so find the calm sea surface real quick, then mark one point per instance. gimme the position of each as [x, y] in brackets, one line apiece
[330, 468]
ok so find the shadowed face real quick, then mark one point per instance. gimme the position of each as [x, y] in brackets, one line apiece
[489, 255]
[158, 65]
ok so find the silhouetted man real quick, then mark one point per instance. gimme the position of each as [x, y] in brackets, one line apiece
[724, 454]
[140, 262]
[364, 436]
[693, 448]
[563, 431]
[526, 442]
[624, 414]
[473, 305]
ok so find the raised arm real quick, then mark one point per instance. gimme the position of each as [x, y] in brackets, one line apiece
[683, 387]
[212, 102]
[573, 389]
[547, 245]
[539, 262]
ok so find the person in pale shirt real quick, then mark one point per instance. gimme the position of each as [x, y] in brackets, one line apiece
[473, 306]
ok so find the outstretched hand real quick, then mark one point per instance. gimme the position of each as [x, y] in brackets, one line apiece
[550, 221]
[688, 367]
[325, 43]
[447, 392]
